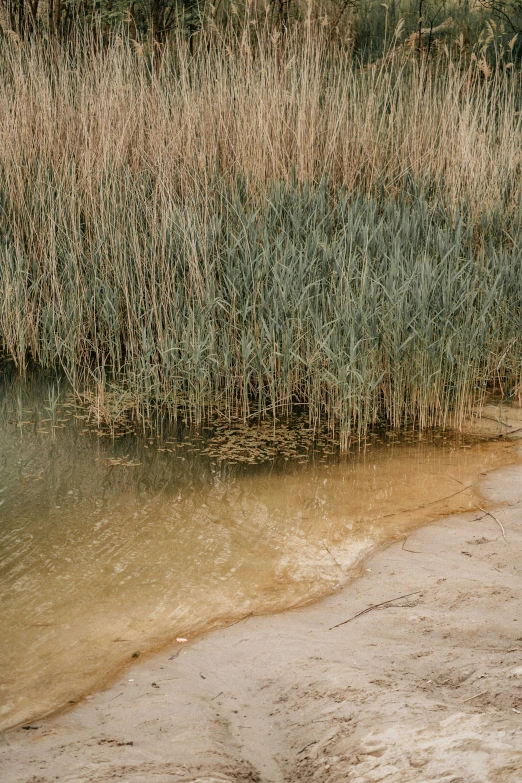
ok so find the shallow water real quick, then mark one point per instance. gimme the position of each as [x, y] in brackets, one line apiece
[113, 547]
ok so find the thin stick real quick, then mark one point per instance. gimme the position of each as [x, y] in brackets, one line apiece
[333, 558]
[241, 619]
[413, 551]
[307, 746]
[489, 514]
[495, 418]
[374, 606]
[431, 503]
[519, 429]
[474, 697]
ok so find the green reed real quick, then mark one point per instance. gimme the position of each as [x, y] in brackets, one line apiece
[354, 308]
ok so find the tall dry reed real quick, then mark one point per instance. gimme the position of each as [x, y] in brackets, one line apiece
[259, 111]
[249, 226]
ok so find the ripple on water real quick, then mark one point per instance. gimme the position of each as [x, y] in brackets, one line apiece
[112, 547]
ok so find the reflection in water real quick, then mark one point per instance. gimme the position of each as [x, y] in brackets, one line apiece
[112, 547]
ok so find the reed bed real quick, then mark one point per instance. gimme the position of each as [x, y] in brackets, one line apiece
[248, 227]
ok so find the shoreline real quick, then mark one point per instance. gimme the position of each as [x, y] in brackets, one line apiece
[411, 672]
[310, 553]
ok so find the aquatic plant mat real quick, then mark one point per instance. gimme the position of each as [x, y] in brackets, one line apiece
[248, 230]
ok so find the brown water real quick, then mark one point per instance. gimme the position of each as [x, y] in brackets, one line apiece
[110, 547]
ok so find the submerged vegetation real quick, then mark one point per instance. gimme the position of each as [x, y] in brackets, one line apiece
[245, 228]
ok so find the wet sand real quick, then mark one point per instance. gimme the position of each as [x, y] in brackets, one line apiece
[425, 686]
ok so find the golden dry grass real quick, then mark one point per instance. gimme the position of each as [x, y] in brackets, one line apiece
[263, 112]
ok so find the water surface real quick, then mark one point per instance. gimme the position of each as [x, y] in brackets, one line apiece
[113, 547]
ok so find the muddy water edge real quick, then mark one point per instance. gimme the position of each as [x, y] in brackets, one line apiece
[113, 546]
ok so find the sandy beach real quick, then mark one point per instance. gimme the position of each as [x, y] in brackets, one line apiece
[411, 673]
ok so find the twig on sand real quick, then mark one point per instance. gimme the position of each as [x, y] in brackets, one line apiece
[241, 619]
[490, 514]
[413, 551]
[307, 746]
[474, 697]
[375, 606]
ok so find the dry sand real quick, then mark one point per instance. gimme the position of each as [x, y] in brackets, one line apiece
[426, 687]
